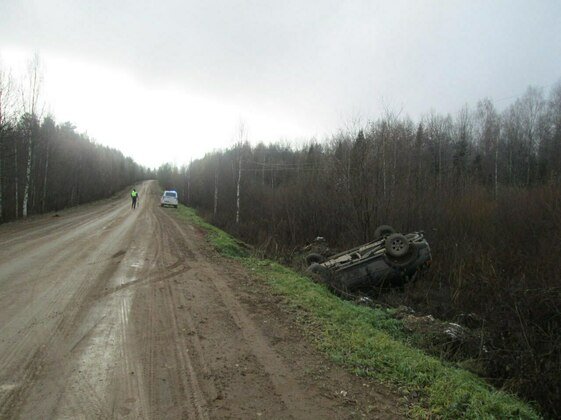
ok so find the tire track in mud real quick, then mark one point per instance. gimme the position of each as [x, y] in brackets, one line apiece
[184, 254]
[138, 323]
[50, 229]
[252, 376]
[151, 331]
[144, 330]
[43, 245]
[188, 394]
[282, 379]
[127, 396]
[107, 356]
[58, 271]
[25, 372]
[51, 348]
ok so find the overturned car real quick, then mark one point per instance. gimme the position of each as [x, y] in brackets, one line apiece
[391, 260]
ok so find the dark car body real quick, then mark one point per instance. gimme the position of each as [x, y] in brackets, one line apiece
[371, 266]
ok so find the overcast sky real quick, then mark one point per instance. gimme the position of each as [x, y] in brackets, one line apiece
[170, 80]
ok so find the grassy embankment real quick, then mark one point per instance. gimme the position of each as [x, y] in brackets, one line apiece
[370, 343]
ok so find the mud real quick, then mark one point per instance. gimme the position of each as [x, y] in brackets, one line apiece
[108, 312]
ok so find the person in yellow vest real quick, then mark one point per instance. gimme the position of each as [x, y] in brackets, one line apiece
[134, 196]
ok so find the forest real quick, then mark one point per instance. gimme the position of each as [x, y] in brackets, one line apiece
[47, 166]
[483, 184]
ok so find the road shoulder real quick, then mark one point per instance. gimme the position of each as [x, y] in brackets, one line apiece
[290, 332]
[368, 342]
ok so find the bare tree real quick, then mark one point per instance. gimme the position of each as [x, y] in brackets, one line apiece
[241, 139]
[8, 108]
[45, 156]
[488, 130]
[216, 169]
[48, 130]
[30, 102]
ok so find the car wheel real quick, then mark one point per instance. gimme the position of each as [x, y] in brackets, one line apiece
[397, 245]
[314, 258]
[383, 231]
[405, 261]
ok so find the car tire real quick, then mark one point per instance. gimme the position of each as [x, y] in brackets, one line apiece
[383, 231]
[314, 258]
[404, 261]
[397, 245]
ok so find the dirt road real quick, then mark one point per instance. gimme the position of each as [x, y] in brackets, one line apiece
[108, 312]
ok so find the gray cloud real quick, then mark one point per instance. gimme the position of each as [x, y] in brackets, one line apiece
[314, 61]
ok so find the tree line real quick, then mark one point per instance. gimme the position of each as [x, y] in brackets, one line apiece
[45, 165]
[484, 185]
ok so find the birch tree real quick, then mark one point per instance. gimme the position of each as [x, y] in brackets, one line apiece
[30, 101]
[242, 138]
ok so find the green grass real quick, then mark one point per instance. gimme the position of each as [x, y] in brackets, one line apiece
[370, 343]
[223, 242]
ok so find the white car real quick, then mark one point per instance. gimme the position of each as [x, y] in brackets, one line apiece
[169, 199]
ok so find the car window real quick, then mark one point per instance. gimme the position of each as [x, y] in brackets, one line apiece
[170, 194]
